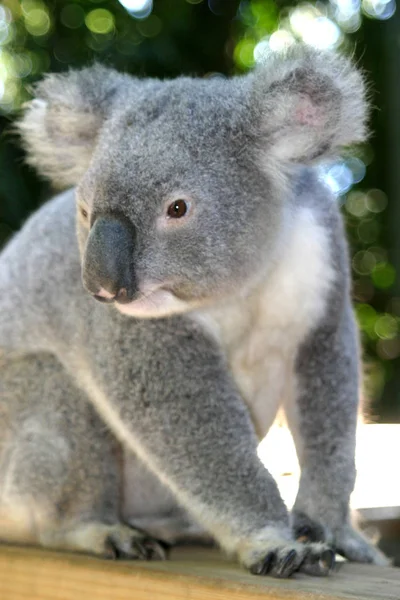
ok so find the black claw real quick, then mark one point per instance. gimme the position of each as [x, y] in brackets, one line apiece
[165, 547]
[264, 566]
[111, 551]
[268, 563]
[327, 560]
[140, 549]
[155, 549]
[151, 551]
[319, 565]
[119, 553]
[286, 568]
[256, 569]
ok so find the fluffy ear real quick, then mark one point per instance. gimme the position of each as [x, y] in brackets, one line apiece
[60, 126]
[310, 104]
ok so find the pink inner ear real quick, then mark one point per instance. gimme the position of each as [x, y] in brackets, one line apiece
[307, 113]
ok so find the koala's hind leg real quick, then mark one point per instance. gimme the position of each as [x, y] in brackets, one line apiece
[60, 467]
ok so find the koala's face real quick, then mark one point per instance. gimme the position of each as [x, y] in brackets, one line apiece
[174, 211]
[182, 185]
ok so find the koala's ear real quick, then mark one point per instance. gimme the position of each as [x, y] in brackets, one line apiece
[60, 125]
[310, 104]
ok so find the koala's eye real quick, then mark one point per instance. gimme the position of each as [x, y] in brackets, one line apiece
[177, 209]
[84, 212]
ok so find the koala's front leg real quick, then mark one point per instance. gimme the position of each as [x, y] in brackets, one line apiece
[323, 420]
[167, 394]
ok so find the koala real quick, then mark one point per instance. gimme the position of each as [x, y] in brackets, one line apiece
[191, 280]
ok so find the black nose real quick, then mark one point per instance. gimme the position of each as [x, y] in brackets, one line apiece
[108, 271]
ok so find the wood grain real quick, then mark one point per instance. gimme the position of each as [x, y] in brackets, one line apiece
[190, 574]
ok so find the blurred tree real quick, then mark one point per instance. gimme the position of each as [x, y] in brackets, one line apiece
[176, 37]
[379, 49]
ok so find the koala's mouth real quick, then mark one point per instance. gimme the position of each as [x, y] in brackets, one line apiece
[156, 303]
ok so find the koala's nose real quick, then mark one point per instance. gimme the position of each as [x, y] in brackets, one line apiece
[108, 272]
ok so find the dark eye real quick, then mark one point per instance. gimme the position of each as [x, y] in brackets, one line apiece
[177, 209]
[83, 212]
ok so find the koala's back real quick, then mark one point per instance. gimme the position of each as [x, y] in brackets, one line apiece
[39, 276]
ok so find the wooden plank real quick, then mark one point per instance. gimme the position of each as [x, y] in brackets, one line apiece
[190, 574]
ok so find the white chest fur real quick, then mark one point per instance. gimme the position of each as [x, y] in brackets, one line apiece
[261, 332]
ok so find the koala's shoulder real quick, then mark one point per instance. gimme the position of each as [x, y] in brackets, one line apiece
[53, 225]
[47, 241]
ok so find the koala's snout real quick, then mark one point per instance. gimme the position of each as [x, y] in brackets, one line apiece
[108, 272]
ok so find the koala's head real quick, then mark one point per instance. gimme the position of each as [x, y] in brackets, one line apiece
[182, 185]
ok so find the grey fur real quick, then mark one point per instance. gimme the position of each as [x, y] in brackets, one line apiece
[177, 426]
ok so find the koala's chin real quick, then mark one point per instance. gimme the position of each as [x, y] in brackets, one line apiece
[154, 304]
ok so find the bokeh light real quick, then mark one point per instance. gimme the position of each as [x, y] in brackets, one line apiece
[314, 28]
[140, 9]
[100, 21]
[379, 9]
[347, 14]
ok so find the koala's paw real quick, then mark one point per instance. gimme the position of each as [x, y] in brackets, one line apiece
[347, 542]
[280, 557]
[105, 541]
[355, 547]
[283, 562]
[124, 542]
